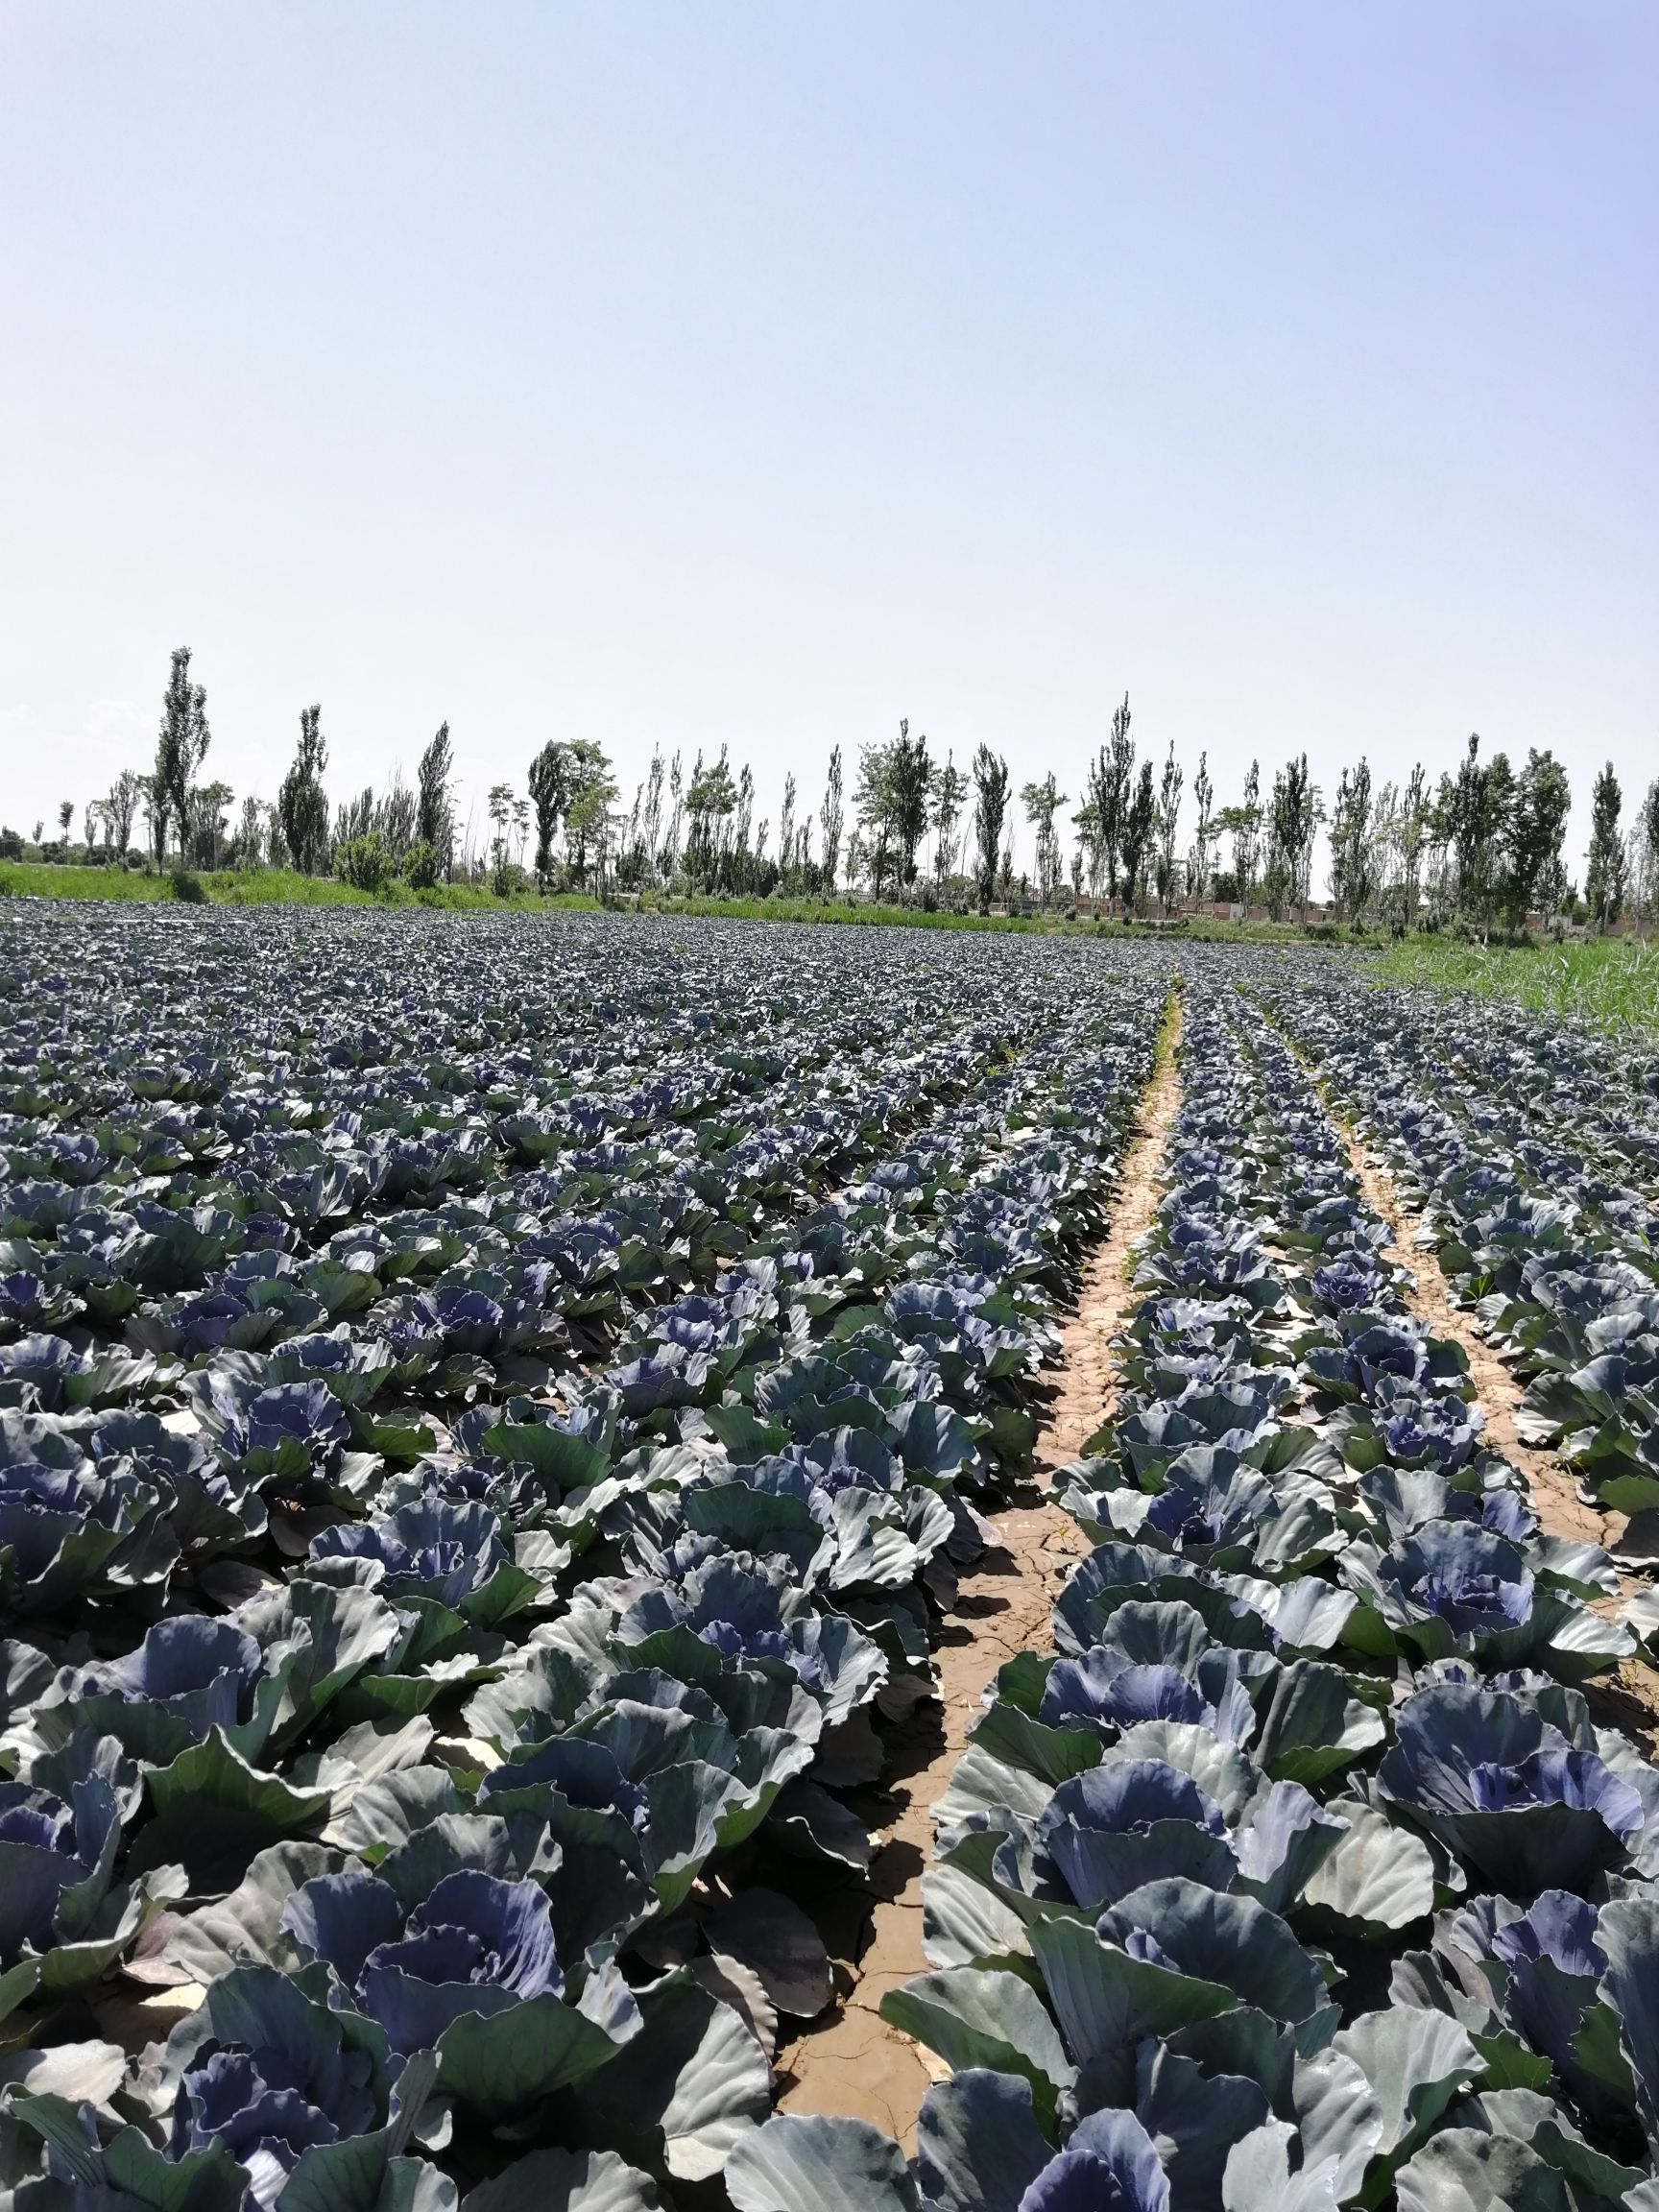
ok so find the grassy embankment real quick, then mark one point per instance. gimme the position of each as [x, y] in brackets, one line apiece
[255, 887]
[1612, 982]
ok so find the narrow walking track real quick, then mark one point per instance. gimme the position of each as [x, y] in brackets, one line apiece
[1634, 1691]
[1087, 1375]
[853, 2064]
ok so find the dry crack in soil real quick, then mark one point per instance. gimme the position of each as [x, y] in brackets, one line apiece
[852, 2062]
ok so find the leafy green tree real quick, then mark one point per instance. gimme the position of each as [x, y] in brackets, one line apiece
[366, 862]
[1647, 847]
[1199, 864]
[1415, 809]
[250, 850]
[1353, 884]
[1168, 827]
[209, 819]
[669, 858]
[500, 806]
[1111, 791]
[590, 811]
[1243, 825]
[1476, 808]
[154, 819]
[395, 819]
[1042, 801]
[739, 862]
[950, 797]
[302, 802]
[1086, 857]
[549, 795]
[711, 801]
[873, 804]
[1605, 874]
[912, 780]
[1532, 870]
[830, 821]
[434, 808]
[990, 812]
[181, 747]
[651, 816]
[353, 818]
[786, 824]
[1134, 838]
[120, 806]
[1292, 824]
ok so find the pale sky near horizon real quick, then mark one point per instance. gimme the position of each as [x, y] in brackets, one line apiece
[759, 375]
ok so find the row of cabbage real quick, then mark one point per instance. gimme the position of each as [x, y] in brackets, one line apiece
[484, 1210]
[1300, 1874]
[432, 1732]
[1532, 1158]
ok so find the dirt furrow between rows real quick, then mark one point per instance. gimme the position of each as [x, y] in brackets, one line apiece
[852, 2062]
[1555, 1498]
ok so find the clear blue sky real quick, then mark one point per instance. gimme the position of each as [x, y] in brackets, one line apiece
[763, 373]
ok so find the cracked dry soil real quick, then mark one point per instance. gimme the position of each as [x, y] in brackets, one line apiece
[852, 2062]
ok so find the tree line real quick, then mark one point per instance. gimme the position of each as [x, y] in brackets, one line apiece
[1484, 846]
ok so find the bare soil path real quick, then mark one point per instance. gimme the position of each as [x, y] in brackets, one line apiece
[1630, 1698]
[853, 2063]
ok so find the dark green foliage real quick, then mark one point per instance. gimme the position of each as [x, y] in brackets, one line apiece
[989, 810]
[912, 779]
[303, 803]
[1604, 876]
[433, 819]
[549, 794]
[180, 746]
[1351, 883]
[831, 820]
[1135, 839]
[366, 862]
[420, 866]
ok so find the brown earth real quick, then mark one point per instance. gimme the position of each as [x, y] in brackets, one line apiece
[1555, 1493]
[852, 2062]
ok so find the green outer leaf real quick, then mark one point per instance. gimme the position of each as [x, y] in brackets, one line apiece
[1314, 1724]
[980, 2016]
[17, 1984]
[208, 2180]
[1379, 1877]
[979, 2147]
[1106, 2001]
[690, 2085]
[57, 2122]
[210, 1772]
[1628, 1934]
[1006, 1734]
[1462, 2170]
[1416, 2062]
[554, 2181]
[505, 2061]
[809, 2162]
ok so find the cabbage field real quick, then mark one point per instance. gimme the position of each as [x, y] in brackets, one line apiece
[493, 1414]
